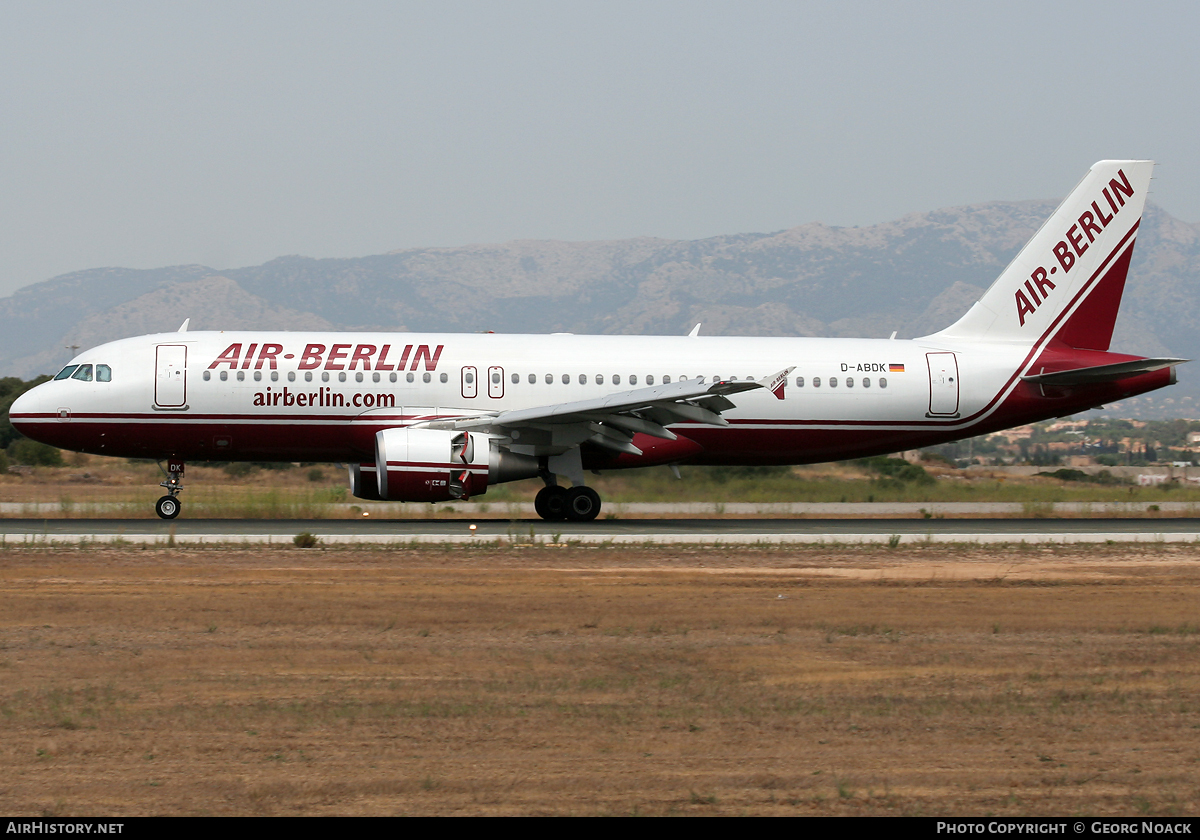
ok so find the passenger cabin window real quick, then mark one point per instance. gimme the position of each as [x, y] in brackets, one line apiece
[532, 378]
[516, 378]
[207, 375]
[66, 372]
[882, 382]
[866, 382]
[799, 381]
[816, 382]
[103, 373]
[650, 379]
[633, 379]
[616, 379]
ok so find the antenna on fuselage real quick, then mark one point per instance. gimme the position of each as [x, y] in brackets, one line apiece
[184, 325]
[695, 331]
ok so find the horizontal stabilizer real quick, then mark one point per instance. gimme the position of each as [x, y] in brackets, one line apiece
[1101, 373]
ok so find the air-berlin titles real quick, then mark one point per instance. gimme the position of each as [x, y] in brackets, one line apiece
[369, 356]
[1089, 225]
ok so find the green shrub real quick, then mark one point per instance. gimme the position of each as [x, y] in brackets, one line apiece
[26, 451]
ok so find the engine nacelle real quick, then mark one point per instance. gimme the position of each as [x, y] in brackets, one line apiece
[435, 465]
[430, 465]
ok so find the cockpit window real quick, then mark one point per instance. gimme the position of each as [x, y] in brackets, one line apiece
[66, 372]
[103, 373]
[83, 373]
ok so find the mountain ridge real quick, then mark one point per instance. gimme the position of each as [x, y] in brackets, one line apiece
[915, 275]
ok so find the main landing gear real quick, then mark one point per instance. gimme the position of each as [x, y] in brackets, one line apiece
[168, 506]
[578, 504]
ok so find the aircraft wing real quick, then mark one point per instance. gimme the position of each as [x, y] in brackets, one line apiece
[612, 420]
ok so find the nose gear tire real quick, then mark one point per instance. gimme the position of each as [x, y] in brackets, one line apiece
[167, 507]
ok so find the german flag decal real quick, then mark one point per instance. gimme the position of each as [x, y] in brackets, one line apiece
[896, 368]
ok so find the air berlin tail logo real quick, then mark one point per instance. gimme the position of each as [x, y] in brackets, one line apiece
[1038, 288]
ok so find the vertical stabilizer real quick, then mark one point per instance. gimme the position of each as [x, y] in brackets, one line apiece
[1065, 285]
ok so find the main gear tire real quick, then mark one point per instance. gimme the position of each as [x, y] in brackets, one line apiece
[583, 504]
[551, 503]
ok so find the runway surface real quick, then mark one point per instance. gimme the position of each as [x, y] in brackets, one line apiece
[634, 531]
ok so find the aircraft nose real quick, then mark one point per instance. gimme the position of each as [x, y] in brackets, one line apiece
[25, 409]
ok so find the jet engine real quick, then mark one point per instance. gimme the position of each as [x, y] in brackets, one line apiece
[436, 465]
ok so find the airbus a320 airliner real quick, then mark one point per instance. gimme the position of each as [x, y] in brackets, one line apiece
[427, 418]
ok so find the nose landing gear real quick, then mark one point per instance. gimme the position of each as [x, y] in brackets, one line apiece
[168, 506]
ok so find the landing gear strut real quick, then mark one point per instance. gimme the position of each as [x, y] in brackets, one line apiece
[168, 506]
[578, 504]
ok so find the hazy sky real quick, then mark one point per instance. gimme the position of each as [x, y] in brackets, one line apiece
[151, 134]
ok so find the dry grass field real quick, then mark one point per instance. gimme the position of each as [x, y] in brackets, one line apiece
[90, 486]
[494, 680]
